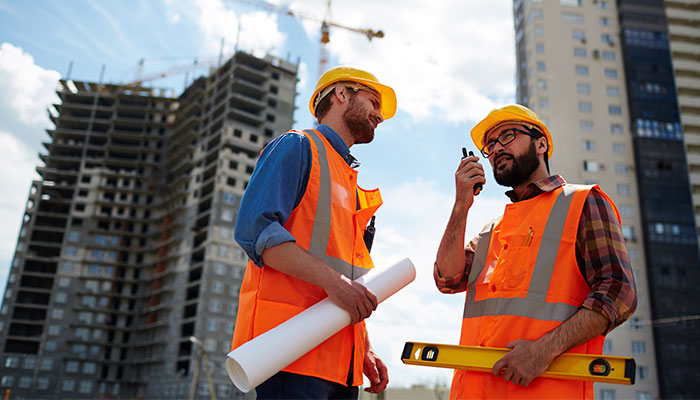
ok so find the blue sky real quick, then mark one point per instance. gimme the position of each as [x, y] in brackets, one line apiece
[450, 62]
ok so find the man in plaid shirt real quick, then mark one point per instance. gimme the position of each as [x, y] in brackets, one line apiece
[550, 275]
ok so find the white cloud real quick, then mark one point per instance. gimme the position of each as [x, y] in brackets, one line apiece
[411, 223]
[431, 52]
[26, 91]
[258, 30]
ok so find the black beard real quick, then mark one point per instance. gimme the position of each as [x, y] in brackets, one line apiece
[522, 167]
[359, 124]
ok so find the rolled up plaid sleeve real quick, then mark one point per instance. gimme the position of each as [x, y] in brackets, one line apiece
[457, 283]
[602, 258]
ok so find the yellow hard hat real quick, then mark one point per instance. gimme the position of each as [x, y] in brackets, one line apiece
[511, 113]
[346, 73]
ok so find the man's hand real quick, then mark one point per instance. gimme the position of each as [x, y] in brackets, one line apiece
[468, 174]
[375, 370]
[353, 297]
[524, 363]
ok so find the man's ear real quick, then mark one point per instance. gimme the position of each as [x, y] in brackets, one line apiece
[542, 145]
[341, 93]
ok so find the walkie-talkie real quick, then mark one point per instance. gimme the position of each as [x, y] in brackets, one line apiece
[478, 186]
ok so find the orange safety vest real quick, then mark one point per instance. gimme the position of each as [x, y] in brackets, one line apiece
[520, 288]
[329, 223]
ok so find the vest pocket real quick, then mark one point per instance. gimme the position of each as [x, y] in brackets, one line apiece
[513, 269]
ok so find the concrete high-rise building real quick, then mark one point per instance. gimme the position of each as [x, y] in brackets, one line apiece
[126, 276]
[570, 71]
[684, 34]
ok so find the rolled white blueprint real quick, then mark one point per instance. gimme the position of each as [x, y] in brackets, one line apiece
[258, 359]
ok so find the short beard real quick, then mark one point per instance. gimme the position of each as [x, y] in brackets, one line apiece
[358, 122]
[522, 167]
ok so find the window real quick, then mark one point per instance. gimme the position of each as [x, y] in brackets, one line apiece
[616, 129]
[217, 287]
[639, 347]
[573, 18]
[46, 363]
[614, 110]
[626, 211]
[607, 394]
[588, 145]
[542, 84]
[73, 236]
[222, 250]
[609, 55]
[229, 198]
[85, 387]
[12, 362]
[54, 330]
[215, 306]
[42, 383]
[619, 148]
[581, 70]
[72, 366]
[613, 91]
[623, 189]
[622, 169]
[63, 281]
[585, 106]
[636, 323]
[7, 380]
[628, 232]
[643, 372]
[68, 385]
[29, 363]
[579, 52]
[603, 5]
[571, 3]
[641, 395]
[539, 31]
[227, 215]
[590, 166]
[611, 73]
[585, 126]
[57, 313]
[70, 251]
[541, 66]
[578, 34]
[544, 103]
[67, 267]
[539, 47]
[607, 38]
[605, 21]
[219, 268]
[583, 88]
[25, 382]
[212, 325]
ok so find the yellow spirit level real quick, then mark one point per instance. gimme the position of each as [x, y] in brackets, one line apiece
[583, 367]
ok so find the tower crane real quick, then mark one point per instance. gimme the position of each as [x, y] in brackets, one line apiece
[326, 24]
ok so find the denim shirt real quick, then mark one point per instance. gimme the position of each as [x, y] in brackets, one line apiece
[276, 187]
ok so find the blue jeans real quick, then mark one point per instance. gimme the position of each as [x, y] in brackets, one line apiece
[288, 386]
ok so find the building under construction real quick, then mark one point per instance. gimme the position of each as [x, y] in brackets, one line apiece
[126, 276]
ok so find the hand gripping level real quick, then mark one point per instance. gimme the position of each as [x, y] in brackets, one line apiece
[585, 367]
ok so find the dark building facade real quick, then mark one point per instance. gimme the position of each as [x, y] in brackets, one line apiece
[673, 261]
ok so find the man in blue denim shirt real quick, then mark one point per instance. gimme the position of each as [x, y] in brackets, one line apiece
[349, 104]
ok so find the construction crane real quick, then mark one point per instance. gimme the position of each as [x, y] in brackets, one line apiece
[171, 71]
[326, 24]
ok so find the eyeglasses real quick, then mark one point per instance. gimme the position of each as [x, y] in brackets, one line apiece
[504, 139]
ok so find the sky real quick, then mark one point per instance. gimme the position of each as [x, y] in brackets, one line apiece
[450, 62]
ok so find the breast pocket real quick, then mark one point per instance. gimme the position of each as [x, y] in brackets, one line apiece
[513, 269]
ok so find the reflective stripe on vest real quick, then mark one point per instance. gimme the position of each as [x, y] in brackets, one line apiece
[534, 305]
[321, 230]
